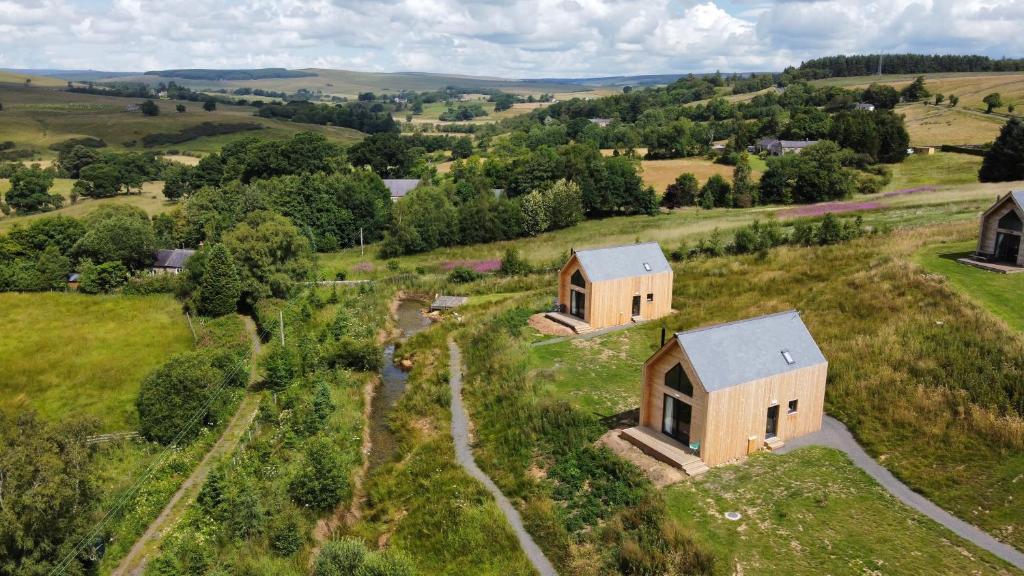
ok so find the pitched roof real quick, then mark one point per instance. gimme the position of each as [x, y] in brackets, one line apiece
[734, 353]
[796, 143]
[172, 258]
[399, 187]
[1016, 195]
[614, 262]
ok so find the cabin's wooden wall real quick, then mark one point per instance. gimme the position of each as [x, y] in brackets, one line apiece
[565, 281]
[736, 414]
[610, 303]
[652, 400]
[724, 421]
[989, 224]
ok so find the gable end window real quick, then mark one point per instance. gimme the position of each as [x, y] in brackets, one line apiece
[676, 379]
[1011, 221]
[577, 279]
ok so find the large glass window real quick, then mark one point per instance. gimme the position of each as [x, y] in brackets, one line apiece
[1011, 221]
[577, 279]
[676, 417]
[676, 379]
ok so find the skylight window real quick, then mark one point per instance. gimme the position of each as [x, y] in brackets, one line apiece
[647, 266]
[788, 357]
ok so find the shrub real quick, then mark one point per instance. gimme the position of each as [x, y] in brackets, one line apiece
[280, 368]
[286, 534]
[147, 284]
[101, 278]
[462, 275]
[322, 481]
[513, 264]
[386, 563]
[177, 397]
[340, 558]
[353, 353]
[220, 287]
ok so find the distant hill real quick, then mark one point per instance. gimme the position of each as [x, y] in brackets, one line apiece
[219, 75]
[73, 75]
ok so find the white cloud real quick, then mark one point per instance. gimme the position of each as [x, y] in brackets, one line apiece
[522, 38]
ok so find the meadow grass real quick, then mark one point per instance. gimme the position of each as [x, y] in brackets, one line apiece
[812, 512]
[661, 173]
[151, 200]
[72, 355]
[937, 125]
[1001, 294]
[939, 169]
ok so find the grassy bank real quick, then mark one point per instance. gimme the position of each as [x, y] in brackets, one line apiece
[58, 359]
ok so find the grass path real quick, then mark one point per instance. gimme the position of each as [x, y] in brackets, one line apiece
[464, 455]
[835, 435]
[134, 563]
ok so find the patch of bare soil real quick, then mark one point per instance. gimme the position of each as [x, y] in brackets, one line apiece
[548, 327]
[658, 472]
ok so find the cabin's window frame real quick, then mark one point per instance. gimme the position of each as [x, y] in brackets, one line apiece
[684, 386]
[1017, 226]
[793, 406]
[582, 280]
[650, 296]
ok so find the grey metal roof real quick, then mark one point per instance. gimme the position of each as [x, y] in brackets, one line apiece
[1018, 197]
[399, 187]
[796, 143]
[172, 258]
[734, 353]
[614, 262]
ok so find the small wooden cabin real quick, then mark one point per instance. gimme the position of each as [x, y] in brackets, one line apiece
[719, 393]
[606, 287]
[1002, 227]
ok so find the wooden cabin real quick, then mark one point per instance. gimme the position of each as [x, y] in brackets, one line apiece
[606, 287]
[713, 395]
[1002, 226]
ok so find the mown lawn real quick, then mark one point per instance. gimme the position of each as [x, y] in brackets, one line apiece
[1001, 294]
[812, 512]
[939, 169]
[72, 355]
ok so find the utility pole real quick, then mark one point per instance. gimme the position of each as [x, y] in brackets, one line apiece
[360, 242]
[879, 64]
[280, 316]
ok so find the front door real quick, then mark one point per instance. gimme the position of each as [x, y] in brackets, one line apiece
[636, 305]
[772, 427]
[578, 304]
[675, 421]
[1007, 247]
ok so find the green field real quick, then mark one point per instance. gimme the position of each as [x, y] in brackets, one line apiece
[71, 355]
[939, 169]
[812, 512]
[35, 118]
[151, 200]
[1001, 294]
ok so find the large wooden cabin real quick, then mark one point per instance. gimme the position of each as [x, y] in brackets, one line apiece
[607, 287]
[1002, 227]
[715, 394]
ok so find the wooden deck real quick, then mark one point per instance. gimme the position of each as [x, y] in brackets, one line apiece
[578, 326]
[991, 266]
[661, 447]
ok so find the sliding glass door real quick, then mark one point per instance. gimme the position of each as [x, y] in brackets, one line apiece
[676, 419]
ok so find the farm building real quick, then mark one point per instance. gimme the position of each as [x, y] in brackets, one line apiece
[171, 261]
[602, 122]
[613, 286]
[1002, 226]
[866, 106]
[777, 147]
[399, 187]
[715, 394]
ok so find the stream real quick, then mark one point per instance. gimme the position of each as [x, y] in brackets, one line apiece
[410, 319]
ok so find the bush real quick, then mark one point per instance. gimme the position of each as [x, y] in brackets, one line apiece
[386, 563]
[513, 264]
[280, 368]
[147, 284]
[340, 558]
[353, 353]
[178, 397]
[286, 534]
[219, 288]
[463, 275]
[322, 481]
[101, 278]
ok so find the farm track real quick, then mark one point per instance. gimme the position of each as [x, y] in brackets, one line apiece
[134, 563]
[464, 456]
[834, 434]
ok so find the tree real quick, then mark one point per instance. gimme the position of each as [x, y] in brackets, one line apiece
[992, 101]
[48, 494]
[100, 180]
[627, 89]
[915, 91]
[210, 105]
[882, 96]
[149, 108]
[180, 108]
[177, 182]
[565, 204]
[30, 189]
[716, 192]
[939, 98]
[219, 288]
[1004, 161]
[1, 106]
[53, 268]
[536, 213]
[322, 480]
[682, 192]
[743, 189]
[117, 233]
[386, 153]
[462, 148]
[271, 253]
[179, 397]
[72, 160]
[953, 101]
[101, 278]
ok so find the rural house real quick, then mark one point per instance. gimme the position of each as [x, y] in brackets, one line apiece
[1002, 226]
[171, 261]
[613, 286]
[866, 106]
[715, 394]
[779, 147]
[399, 187]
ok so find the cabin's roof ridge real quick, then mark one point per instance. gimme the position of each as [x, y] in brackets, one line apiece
[734, 322]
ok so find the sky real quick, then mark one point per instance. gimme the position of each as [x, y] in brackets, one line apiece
[501, 38]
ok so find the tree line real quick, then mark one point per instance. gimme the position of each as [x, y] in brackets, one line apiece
[868, 64]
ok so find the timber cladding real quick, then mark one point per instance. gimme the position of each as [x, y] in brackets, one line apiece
[990, 225]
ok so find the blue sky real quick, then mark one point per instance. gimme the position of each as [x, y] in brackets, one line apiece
[510, 38]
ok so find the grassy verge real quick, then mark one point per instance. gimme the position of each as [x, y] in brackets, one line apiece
[58, 352]
[812, 512]
[997, 293]
[423, 503]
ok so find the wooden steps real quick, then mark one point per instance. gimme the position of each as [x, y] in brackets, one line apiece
[662, 448]
[773, 444]
[575, 324]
